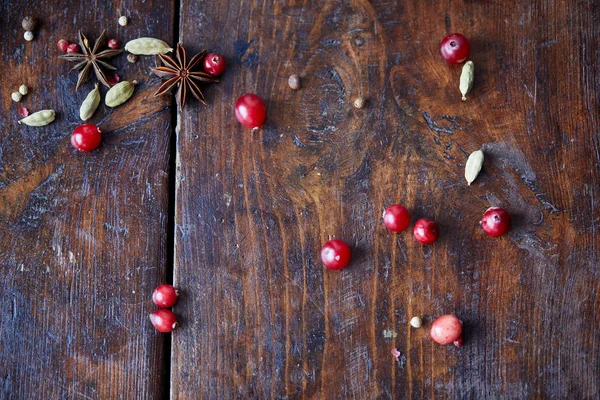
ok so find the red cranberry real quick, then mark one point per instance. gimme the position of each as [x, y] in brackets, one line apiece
[495, 221]
[396, 218]
[426, 231]
[335, 254]
[165, 296]
[73, 48]
[86, 137]
[113, 44]
[446, 329]
[62, 45]
[164, 320]
[250, 110]
[455, 48]
[214, 64]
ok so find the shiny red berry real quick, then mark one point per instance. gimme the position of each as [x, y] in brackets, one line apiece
[214, 64]
[113, 44]
[396, 218]
[455, 48]
[250, 110]
[426, 231]
[495, 221]
[335, 254]
[86, 137]
[165, 296]
[73, 48]
[446, 329]
[164, 320]
[62, 45]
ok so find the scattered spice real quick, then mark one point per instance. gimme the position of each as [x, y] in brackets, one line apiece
[360, 102]
[23, 89]
[16, 97]
[28, 36]
[466, 79]
[40, 118]
[459, 342]
[123, 20]
[294, 82]
[28, 24]
[73, 48]
[62, 45]
[23, 112]
[132, 58]
[92, 58]
[119, 93]
[396, 354]
[90, 104]
[473, 166]
[179, 72]
[113, 79]
[113, 44]
[146, 46]
[416, 322]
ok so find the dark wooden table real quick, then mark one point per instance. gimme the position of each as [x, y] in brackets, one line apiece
[236, 219]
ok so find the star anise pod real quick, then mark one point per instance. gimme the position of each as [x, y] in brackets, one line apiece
[179, 72]
[92, 58]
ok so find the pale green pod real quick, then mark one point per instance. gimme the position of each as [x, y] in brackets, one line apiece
[40, 118]
[473, 166]
[119, 93]
[90, 104]
[466, 79]
[146, 46]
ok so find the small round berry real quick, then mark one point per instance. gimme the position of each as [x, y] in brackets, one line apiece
[455, 48]
[16, 97]
[113, 44]
[28, 24]
[335, 254]
[416, 322]
[426, 231]
[495, 221]
[62, 45]
[28, 36]
[73, 48]
[123, 21]
[164, 320]
[165, 296]
[250, 110]
[214, 64]
[23, 89]
[446, 329]
[294, 82]
[86, 137]
[132, 58]
[360, 102]
[396, 218]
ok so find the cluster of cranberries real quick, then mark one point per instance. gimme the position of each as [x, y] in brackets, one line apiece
[164, 320]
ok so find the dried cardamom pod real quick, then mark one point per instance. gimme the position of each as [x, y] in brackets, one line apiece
[473, 166]
[119, 93]
[146, 46]
[90, 104]
[466, 79]
[40, 118]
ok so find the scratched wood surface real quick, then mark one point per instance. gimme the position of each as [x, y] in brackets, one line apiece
[82, 236]
[262, 318]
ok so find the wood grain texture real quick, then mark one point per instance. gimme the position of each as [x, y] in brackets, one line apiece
[82, 236]
[261, 318]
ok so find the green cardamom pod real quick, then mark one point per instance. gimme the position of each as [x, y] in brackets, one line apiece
[90, 104]
[473, 166]
[119, 93]
[40, 118]
[146, 46]
[466, 79]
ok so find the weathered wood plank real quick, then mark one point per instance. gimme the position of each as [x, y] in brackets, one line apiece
[82, 236]
[263, 319]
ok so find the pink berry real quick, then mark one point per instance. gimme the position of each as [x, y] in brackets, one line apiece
[396, 218]
[495, 221]
[165, 296]
[455, 48]
[446, 329]
[214, 64]
[164, 320]
[73, 48]
[426, 231]
[62, 45]
[335, 254]
[86, 137]
[113, 44]
[250, 110]
[459, 342]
